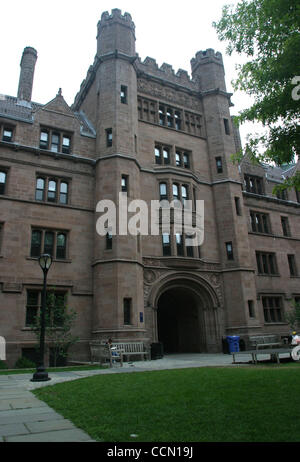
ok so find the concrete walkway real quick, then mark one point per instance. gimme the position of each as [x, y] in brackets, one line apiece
[23, 417]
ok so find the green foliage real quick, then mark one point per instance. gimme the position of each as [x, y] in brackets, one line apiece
[268, 33]
[293, 316]
[3, 364]
[24, 363]
[59, 320]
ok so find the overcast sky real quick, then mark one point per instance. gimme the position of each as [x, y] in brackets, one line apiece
[64, 34]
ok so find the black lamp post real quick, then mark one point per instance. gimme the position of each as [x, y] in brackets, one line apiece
[41, 375]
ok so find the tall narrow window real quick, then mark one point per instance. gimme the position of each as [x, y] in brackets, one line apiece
[163, 195]
[177, 117]
[123, 94]
[63, 193]
[51, 197]
[219, 165]
[55, 142]
[109, 137]
[226, 126]
[229, 250]
[186, 160]
[184, 194]
[157, 156]
[124, 183]
[285, 226]
[175, 192]
[162, 116]
[7, 134]
[44, 139]
[166, 244]
[49, 243]
[40, 189]
[166, 155]
[292, 265]
[66, 144]
[61, 246]
[179, 244]
[36, 243]
[108, 240]
[251, 309]
[32, 307]
[237, 206]
[127, 302]
[2, 182]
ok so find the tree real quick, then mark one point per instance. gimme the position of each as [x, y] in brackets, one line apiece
[268, 33]
[293, 316]
[59, 320]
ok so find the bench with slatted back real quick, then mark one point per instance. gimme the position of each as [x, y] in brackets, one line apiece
[102, 352]
[264, 341]
[132, 349]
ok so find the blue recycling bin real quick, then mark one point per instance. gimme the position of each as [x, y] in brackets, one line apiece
[233, 343]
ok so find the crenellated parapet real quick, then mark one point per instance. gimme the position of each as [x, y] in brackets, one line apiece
[206, 56]
[166, 73]
[116, 17]
[208, 69]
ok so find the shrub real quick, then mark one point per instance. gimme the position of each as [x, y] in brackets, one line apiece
[3, 364]
[24, 363]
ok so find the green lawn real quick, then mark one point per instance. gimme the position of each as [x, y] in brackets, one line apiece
[232, 404]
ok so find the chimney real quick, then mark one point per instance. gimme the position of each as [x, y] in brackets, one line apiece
[27, 64]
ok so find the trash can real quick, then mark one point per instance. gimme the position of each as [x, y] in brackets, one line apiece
[157, 351]
[233, 343]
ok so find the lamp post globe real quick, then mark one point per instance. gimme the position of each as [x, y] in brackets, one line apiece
[41, 375]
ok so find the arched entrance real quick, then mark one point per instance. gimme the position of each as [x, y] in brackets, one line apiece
[178, 322]
[187, 318]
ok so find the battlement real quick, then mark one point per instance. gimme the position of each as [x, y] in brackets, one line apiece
[206, 56]
[116, 16]
[165, 72]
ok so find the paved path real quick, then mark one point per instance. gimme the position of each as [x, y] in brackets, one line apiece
[23, 417]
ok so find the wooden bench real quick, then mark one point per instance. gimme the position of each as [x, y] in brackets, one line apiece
[132, 349]
[264, 341]
[272, 352]
[102, 352]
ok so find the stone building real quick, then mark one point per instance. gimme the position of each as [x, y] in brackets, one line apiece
[148, 133]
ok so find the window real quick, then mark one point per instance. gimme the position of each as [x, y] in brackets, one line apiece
[260, 222]
[285, 226]
[163, 195]
[219, 165]
[57, 190]
[226, 126]
[237, 206]
[7, 134]
[282, 194]
[66, 144]
[123, 94]
[266, 263]
[179, 244]
[162, 155]
[109, 137]
[51, 242]
[124, 183]
[51, 194]
[253, 184]
[229, 250]
[182, 159]
[55, 141]
[251, 309]
[2, 181]
[1, 235]
[177, 118]
[108, 240]
[292, 265]
[55, 304]
[272, 307]
[127, 302]
[166, 241]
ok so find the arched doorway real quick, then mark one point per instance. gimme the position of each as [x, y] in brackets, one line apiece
[178, 321]
[186, 315]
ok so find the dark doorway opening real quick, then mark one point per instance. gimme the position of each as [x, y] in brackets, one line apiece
[178, 321]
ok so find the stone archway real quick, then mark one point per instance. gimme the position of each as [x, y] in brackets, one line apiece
[186, 315]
